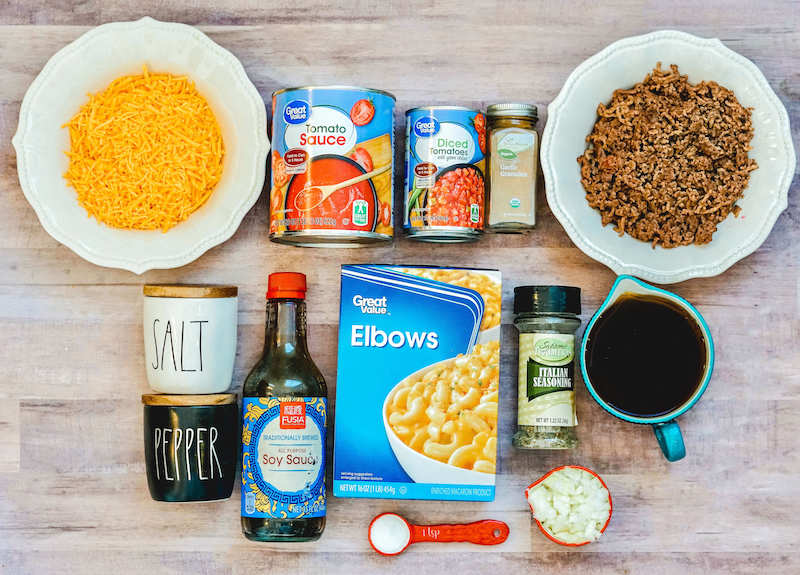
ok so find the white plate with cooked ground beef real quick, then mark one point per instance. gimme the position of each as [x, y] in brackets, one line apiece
[669, 172]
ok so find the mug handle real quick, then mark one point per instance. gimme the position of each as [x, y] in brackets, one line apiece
[670, 440]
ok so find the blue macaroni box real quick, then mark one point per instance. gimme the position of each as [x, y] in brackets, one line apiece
[418, 383]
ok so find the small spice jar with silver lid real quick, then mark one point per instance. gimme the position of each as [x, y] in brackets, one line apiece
[547, 319]
[512, 167]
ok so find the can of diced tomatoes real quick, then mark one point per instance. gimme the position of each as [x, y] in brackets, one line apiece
[332, 182]
[444, 184]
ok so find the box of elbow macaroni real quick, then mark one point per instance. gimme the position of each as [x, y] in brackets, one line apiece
[418, 383]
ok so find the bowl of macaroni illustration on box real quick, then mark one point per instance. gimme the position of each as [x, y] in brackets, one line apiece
[418, 383]
[441, 421]
[485, 282]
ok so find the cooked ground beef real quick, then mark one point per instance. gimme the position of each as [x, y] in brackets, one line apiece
[667, 160]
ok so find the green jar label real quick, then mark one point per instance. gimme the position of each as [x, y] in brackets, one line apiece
[553, 349]
[546, 379]
[514, 142]
[506, 154]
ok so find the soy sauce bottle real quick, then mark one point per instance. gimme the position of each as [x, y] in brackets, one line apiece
[284, 416]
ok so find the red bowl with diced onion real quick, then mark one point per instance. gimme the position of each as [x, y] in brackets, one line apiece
[543, 529]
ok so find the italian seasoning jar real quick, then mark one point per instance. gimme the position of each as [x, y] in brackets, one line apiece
[547, 319]
[513, 163]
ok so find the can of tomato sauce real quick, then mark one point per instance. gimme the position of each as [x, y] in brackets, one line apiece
[332, 176]
[444, 185]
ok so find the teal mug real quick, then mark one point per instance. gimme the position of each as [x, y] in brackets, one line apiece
[666, 429]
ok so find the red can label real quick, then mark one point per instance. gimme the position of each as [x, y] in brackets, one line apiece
[295, 161]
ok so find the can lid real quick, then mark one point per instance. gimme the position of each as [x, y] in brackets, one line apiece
[436, 108]
[513, 109]
[335, 87]
[188, 400]
[286, 285]
[553, 299]
[189, 290]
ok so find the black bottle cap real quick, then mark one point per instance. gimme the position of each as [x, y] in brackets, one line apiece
[553, 299]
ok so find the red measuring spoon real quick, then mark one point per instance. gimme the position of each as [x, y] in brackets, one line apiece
[390, 534]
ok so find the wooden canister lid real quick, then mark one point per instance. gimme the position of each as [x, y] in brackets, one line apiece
[188, 400]
[190, 291]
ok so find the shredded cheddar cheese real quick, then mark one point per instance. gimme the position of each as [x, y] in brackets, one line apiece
[145, 153]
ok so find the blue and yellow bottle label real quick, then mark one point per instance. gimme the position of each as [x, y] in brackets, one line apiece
[283, 457]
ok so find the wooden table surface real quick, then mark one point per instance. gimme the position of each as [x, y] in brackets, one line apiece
[73, 496]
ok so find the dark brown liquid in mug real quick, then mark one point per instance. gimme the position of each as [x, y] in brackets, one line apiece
[645, 355]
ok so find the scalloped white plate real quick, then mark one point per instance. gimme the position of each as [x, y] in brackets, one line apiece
[622, 64]
[89, 64]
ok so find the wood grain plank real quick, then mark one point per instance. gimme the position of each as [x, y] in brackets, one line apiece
[102, 561]
[9, 435]
[112, 510]
[204, 563]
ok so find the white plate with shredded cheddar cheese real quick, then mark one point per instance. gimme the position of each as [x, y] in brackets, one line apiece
[119, 209]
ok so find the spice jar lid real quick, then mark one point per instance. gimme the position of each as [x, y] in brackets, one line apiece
[188, 400]
[542, 299]
[190, 291]
[513, 109]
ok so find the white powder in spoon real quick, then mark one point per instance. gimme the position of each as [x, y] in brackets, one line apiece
[389, 533]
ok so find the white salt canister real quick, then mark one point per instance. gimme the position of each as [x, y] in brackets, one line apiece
[190, 337]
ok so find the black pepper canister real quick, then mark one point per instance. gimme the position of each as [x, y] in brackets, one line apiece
[190, 445]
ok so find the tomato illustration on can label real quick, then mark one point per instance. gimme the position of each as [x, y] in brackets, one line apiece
[362, 158]
[444, 183]
[324, 137]
[279, 174]
[362, 112]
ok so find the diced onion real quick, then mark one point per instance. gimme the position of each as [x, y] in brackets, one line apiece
[571, 504]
